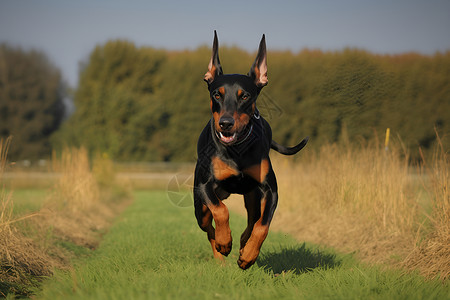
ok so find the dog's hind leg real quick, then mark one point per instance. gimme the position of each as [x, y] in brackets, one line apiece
[260, 206]
[252, 202]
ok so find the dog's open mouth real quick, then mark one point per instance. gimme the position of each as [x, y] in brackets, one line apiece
[227, 137]
[233, 138]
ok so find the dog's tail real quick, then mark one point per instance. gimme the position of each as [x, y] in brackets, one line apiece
[289, 150]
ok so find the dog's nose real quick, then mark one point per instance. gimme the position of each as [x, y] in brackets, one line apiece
[226, 123]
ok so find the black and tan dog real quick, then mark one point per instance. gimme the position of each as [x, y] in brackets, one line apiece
[233, 157]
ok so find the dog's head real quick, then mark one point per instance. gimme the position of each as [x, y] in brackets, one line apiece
[233, 96]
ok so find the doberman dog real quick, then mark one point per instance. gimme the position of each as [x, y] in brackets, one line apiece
[233, 157]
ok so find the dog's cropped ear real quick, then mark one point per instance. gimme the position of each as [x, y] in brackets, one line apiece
[214, 67]
[258, 71]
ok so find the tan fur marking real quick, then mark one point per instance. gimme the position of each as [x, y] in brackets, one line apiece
[209, 76]
[250, 252]
[207, 217]
[261, 73]
[222, 170]
[258, 172]
[240, 121]
[216, 253]
[257, 73]
[222, 231]
[216, 117]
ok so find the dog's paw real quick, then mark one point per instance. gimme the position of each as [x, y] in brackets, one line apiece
[247, 258]
[244, 265]
[225, 248]
[223, 240]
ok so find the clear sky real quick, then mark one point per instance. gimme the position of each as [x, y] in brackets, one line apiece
[68, 30]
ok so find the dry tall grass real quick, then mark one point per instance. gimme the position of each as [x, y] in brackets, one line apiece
[364, 200]
[77, 211]
[5, 197]
[18, 254]
[80, 207]
[77, 188]
[432, 254]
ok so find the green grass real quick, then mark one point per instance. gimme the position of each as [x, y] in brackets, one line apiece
[156, 251]
[28, 200]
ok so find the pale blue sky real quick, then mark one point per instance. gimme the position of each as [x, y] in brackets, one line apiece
[67, 31]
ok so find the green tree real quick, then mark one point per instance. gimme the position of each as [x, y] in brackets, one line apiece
[116, 108]
[31, 101]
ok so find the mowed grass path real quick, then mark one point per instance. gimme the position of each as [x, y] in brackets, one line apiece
[156, 251]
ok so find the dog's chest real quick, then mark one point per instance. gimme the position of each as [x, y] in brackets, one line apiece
[223, 169]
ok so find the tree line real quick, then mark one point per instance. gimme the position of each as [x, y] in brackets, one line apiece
[147, 104]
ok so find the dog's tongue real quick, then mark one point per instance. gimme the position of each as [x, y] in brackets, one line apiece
[227, 139]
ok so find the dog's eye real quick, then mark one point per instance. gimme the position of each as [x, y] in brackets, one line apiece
[245, 97]
[216, 96]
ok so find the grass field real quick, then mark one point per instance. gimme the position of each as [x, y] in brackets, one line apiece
[28, 200]
[362, 200]
[156, 251]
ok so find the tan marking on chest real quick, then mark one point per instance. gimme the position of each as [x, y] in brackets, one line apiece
[258, 172]
[222, 170]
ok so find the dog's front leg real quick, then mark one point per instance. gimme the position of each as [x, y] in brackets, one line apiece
[223, 241]
[208, 207]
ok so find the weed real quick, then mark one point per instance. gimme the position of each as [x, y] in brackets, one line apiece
[364, 199]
